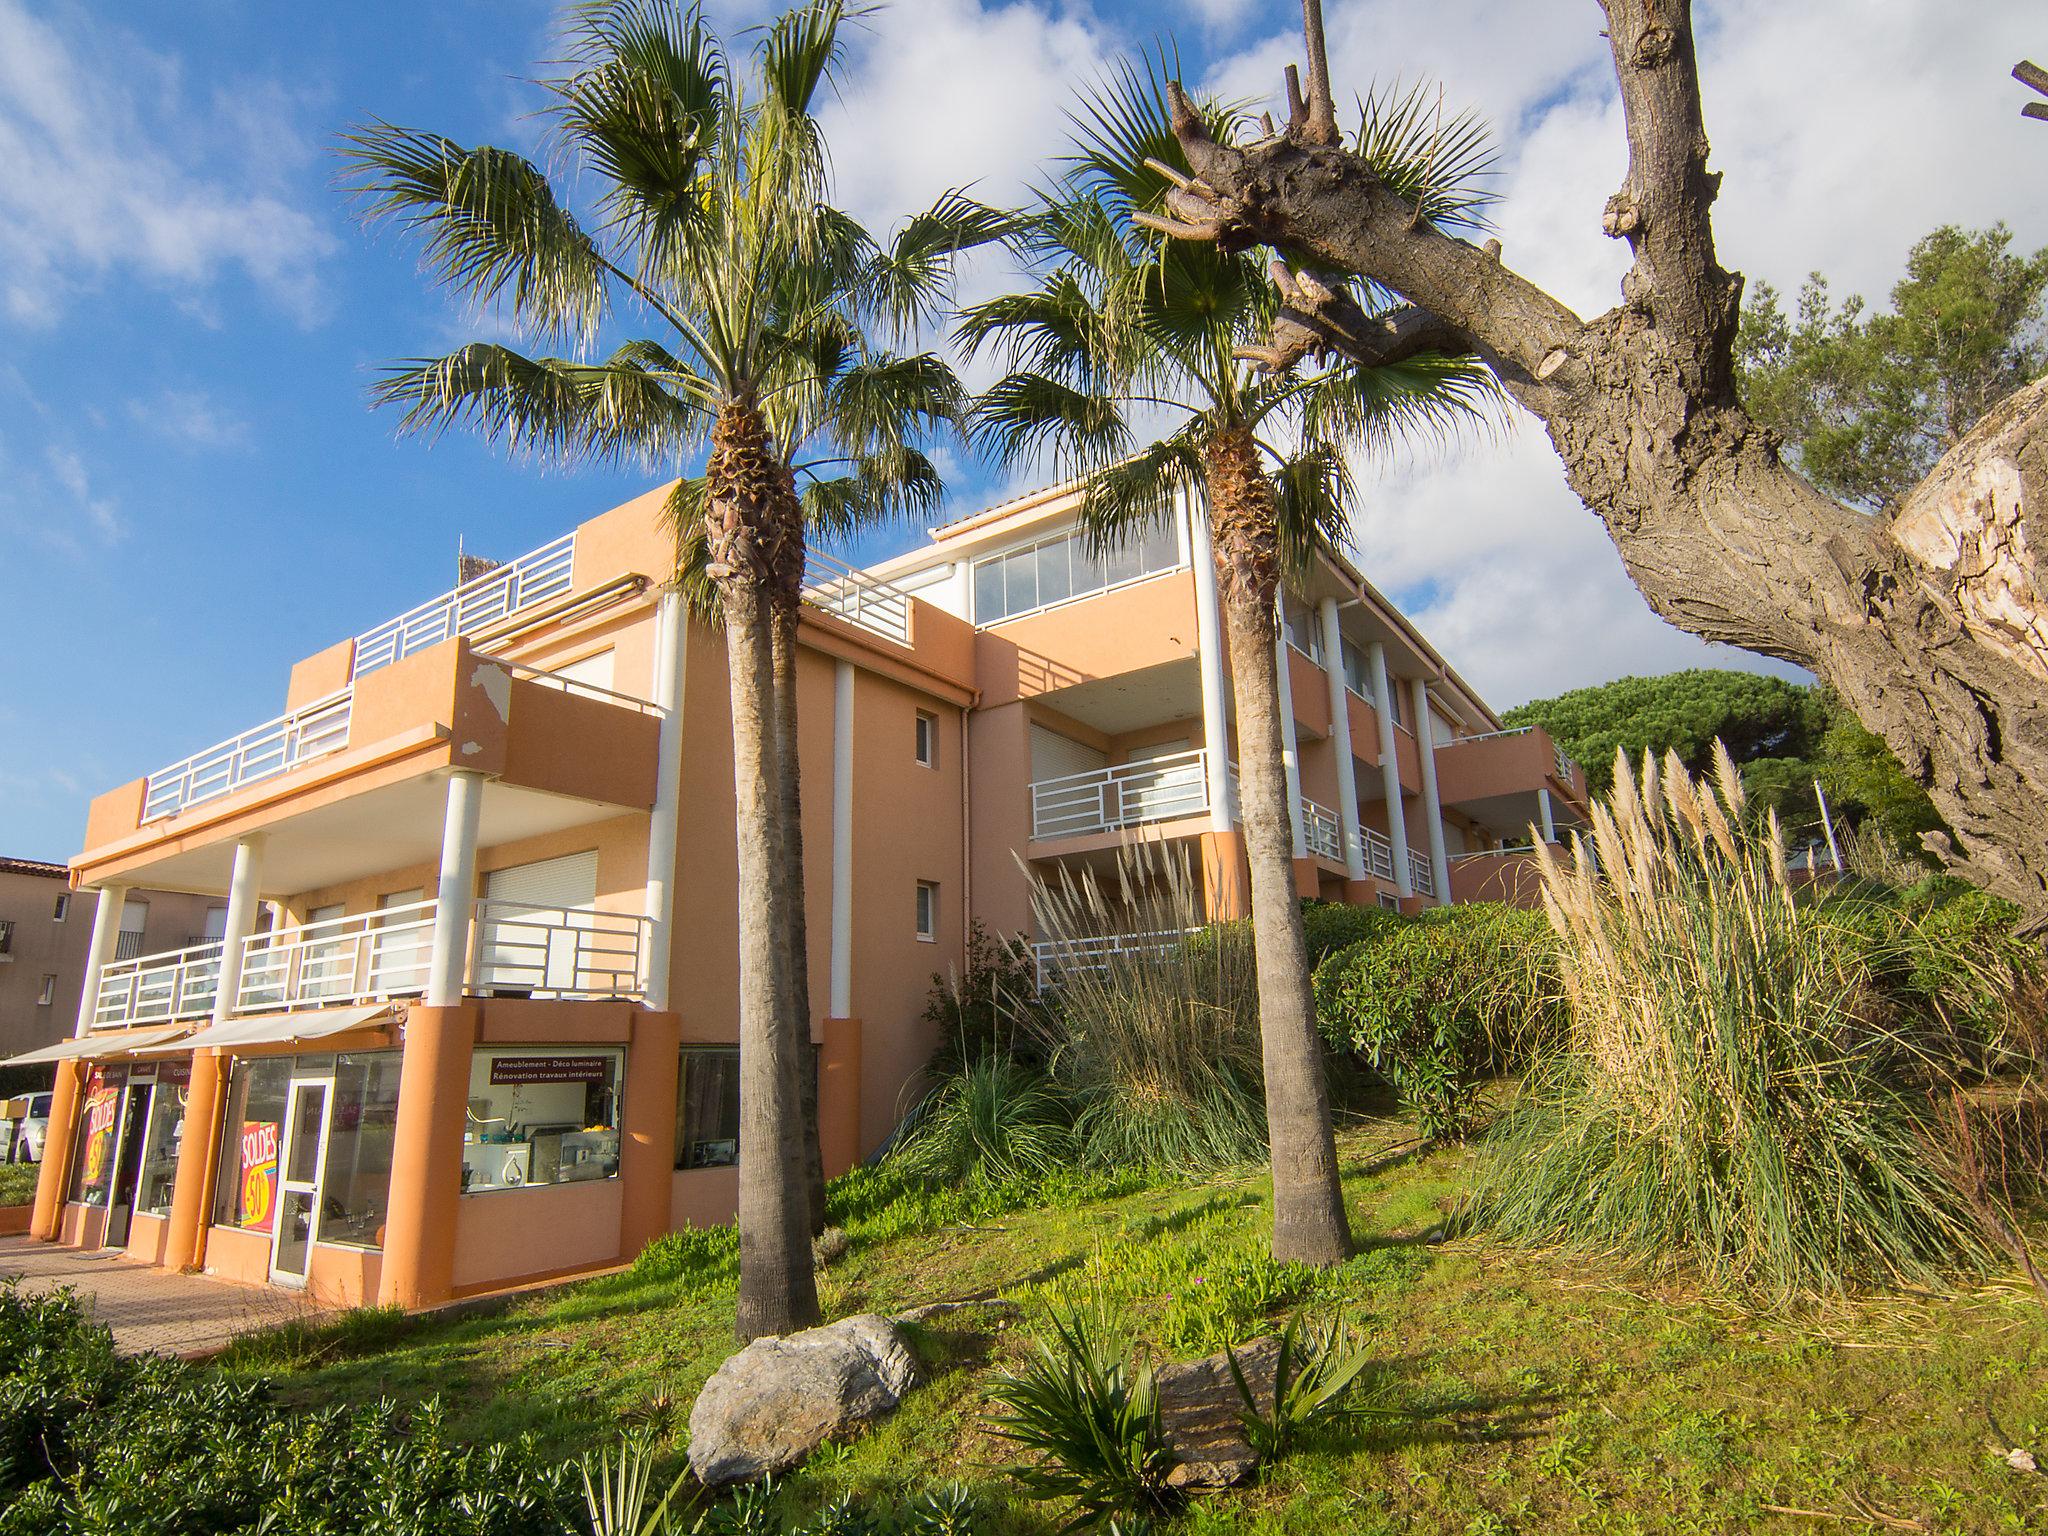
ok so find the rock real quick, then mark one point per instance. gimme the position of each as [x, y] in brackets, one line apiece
[777, 1400]
[1199, 1412]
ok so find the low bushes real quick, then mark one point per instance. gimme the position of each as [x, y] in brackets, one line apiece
[995, 1119]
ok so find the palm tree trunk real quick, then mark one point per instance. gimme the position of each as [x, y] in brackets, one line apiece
[777, 1289]
[797, 945]
[1309, 1225]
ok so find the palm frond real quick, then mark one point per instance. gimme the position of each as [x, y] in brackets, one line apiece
[909, 282]
[1120, 500]
[1440, 164]
[1428, 396]
[1023, 415]
[682, 513]
[490, 221]
[1312, 495]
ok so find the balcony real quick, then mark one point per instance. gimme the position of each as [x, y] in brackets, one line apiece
[1096, 952]
[1379, 853]
[1127, 795]
[516, 949]
[1321, 831]
[260, 753]
[838, 589]
[475, 605]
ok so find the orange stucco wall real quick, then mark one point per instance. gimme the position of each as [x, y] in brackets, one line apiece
[1142, 625]
[495, 1232]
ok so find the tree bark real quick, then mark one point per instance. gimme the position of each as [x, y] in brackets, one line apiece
[1933, 625]
[1309, 1224]
[777, 1287]
[796, 941]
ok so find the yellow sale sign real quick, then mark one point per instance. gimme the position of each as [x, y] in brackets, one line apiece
[259, 1174]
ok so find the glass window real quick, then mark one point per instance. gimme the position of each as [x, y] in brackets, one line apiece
[246, 1195]
[927, 909]
[1020, 582]
[1055, 572]
[927, 740]
[162, 1137]
[63, 908]
[1085, 563]
[361, 1126]
[708, 1107]
[540, 1116]
[988, 591]
[99, 1122]
[1355, 675]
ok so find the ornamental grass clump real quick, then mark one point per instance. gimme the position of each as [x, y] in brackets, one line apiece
[1731, 1092]
[1154, 1018]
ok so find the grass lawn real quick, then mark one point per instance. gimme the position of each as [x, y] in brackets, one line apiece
[1524, 1393]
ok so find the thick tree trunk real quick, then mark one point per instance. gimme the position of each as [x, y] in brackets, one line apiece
[777, 1288]
[797, 943]
[1309, 1225]
[1933, 626]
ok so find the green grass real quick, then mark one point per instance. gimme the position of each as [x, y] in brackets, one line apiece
[18, 1183]
[1531, 1393]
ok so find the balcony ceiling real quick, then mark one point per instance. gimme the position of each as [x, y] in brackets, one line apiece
[1511, 816]
[368, 834]
[1131, 701]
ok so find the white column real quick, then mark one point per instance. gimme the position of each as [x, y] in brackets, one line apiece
[106, 933]
[671, 656]
[1549, 822]
[1432, 807]
[1340, 736]
[1390, 769]
[456, 893]
[841, 1004]
[1209, 643]
[1290, 752]
[244, 898]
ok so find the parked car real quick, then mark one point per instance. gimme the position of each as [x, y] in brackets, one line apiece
[29, 1136]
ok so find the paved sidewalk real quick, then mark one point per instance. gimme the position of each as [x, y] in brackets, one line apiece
[150, 1308]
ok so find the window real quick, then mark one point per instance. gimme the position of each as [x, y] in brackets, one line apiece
[1302, 626]
[1357, 674]
[708, 1107]
[362, 1123]
[1398, 696]
[161, 1137]
[927, 740]
[6, 936]
[927, 909]
[49, 993]
[1058, 569]
[63, 907]
[93, 1169]
[246, 1194]
[134, 918]
[541, 1117]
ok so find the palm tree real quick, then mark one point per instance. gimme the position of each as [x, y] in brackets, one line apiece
[1118, 331]
[713, 228]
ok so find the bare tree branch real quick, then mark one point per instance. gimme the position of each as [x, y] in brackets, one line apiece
[1316, 320]
[2034, 78]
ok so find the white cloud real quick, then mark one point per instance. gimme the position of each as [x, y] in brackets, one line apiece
[191, 418]
[56, 503]
[107, 169]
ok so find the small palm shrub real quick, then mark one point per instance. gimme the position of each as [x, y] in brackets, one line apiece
[1094, 1421]
[994, 1119]
[1729, 1092]
[1317, 1381]
[1153, 1019]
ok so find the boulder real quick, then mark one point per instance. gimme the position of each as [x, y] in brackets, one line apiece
[777, 1400]
[1200, 1414]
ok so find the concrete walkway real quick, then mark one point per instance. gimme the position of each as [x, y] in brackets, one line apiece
[150, 1308]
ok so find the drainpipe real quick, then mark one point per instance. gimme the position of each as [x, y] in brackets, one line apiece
[1209, 643]
[841, 1000]
[456, 892]
[1290, 752]
[1390, 769]
[1340, 734]
[671, 661]
[1432, 807]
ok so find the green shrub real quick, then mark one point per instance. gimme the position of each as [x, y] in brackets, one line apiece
[1316, 1380]
[1731, 1093]
[880, 1201]
[18, 1181]
[697, 1259]
[1095, 1422]
[994, 1119]
[989, 1009]
[1332, 925]
[1967, 961]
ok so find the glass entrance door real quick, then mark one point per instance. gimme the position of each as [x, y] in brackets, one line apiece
[127, 1161]
[301, 1166]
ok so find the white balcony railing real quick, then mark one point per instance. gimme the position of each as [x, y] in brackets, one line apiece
[1567, 769]
[566, 684]
[264, 752]
[1379, 853]
[1050, 957]
[1128, 795]
[158, 989]
[1421, 874]
[547, 572]
[857, 597]
[370, 957]
[540, 951]
[1321, 830]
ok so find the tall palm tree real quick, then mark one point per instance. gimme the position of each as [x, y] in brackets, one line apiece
[712, 228]
[1120, 335]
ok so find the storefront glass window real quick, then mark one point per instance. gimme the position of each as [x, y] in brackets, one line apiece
[247, 1194]
[708, 1108]
[162, 1138]
[99, 1120]
[356, 1188]
[541, 1116]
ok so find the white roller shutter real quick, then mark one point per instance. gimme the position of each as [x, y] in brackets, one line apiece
[596, 670]
[529, 943]
[570, 881]
[1054, 756]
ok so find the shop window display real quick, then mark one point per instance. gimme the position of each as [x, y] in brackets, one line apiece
[246, 1195]
[541, 1116]
[708, 1107]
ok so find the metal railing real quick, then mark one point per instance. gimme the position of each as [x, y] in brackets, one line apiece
[1567, 769]
[1379, 853]
[542, 951]
[557, 680]
[1513, 730]
[1095, 952]
[1127, 795]
[264, 752]
[1421, 874]
[547, 572]
[1493, 853]
[856, 597]
[367, 957]
[1321, 831]
[157, 989]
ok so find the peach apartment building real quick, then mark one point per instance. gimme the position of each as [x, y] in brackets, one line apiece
[471, 1016]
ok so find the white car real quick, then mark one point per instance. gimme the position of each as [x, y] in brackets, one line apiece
[29, 1146]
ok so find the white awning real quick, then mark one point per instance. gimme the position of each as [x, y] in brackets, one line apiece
[103, 1047]
[280, 1028]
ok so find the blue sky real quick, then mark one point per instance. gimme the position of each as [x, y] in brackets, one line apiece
[194, 491]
